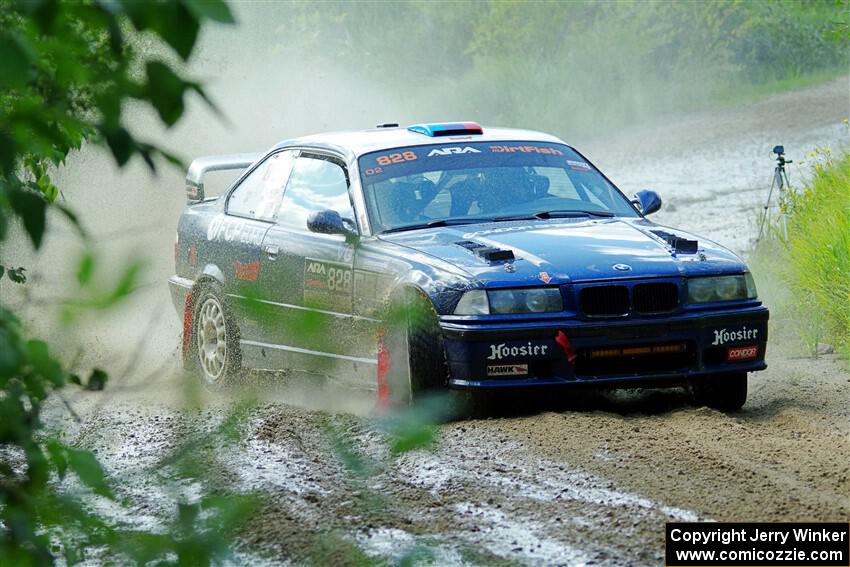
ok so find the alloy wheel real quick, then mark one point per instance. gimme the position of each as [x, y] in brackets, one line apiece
[211, 334]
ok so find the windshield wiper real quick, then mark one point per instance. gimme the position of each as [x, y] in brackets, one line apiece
[525, 216]
[467, 220]
[571, 213]
[437, 223]
[554, 215]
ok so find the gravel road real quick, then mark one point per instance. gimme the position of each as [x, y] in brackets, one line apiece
[587, 479]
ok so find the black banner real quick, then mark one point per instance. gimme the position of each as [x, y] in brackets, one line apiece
[805, 544]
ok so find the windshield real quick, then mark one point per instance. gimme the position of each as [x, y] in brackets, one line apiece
[483, 181]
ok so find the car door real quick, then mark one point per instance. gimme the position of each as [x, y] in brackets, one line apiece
[308, 283]
[250, 210]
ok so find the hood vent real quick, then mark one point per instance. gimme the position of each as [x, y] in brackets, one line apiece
[677, 243]
[488, 253]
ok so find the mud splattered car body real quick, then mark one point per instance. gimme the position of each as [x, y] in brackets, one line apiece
[538, 270]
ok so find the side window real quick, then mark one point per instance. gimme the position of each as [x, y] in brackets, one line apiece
[316, 184]
[259, 194]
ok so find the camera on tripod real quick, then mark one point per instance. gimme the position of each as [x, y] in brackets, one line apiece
[780, 182]
[780, 156]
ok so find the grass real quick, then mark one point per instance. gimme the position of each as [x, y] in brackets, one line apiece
[806, 276]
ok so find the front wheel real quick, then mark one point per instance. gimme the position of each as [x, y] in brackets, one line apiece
[215, 339]
[725, 392]
[411, 356]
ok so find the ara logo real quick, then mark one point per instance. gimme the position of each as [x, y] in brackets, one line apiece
[452, 150]
[722, 336]
[500, 351]
[316, 268]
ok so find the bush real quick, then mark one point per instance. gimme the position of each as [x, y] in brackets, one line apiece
[67, 71]
[819, 246]
[814, 260]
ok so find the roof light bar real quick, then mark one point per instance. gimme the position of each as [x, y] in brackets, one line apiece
[447, 129]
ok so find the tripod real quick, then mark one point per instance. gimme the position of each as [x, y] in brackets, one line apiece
[780, 182]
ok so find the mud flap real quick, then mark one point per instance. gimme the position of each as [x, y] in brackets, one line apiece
[393, 372]
[382, 402]
[188, 307]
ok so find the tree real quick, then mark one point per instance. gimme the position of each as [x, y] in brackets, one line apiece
[66, 71]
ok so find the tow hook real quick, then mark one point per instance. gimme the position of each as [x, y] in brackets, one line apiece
[564, 342]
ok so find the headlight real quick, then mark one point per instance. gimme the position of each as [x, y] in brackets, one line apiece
[752, 292]
[473, 302]
[721, 288]
[531, 300]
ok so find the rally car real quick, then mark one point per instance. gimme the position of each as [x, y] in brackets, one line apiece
[417, 259]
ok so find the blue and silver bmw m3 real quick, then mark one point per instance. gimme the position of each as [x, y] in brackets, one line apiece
[451, 256]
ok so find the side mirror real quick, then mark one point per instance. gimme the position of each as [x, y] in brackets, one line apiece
[648, 201]
[330, 222]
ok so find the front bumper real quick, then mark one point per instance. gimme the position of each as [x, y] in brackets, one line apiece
[179, 288]
[619, 353]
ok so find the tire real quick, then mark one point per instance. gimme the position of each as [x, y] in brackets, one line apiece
[411, 352]
[214, 353]
[724, 392]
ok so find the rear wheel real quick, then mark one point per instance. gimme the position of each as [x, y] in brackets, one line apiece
[215, 339]
[725, 392]
[411, 356]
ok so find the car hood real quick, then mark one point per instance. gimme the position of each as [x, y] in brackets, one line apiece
[569, 250]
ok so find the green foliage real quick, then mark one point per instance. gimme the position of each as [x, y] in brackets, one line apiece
[28, 503]
[39, 519]
[99, 293]
[814, 260]
[198, 537]
[17, 275]
[819, 246]
[67, 70]
[416, 427]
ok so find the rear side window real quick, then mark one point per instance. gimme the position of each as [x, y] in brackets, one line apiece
[316, 184]
[258, 196]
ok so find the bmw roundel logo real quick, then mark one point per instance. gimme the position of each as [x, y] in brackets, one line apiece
[622, 267]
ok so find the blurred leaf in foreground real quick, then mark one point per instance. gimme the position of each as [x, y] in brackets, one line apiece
[67, 72]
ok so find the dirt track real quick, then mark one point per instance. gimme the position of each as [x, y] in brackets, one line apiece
[587, 479]
[590, 478]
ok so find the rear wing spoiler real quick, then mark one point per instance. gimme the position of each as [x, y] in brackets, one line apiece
[203, 165]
